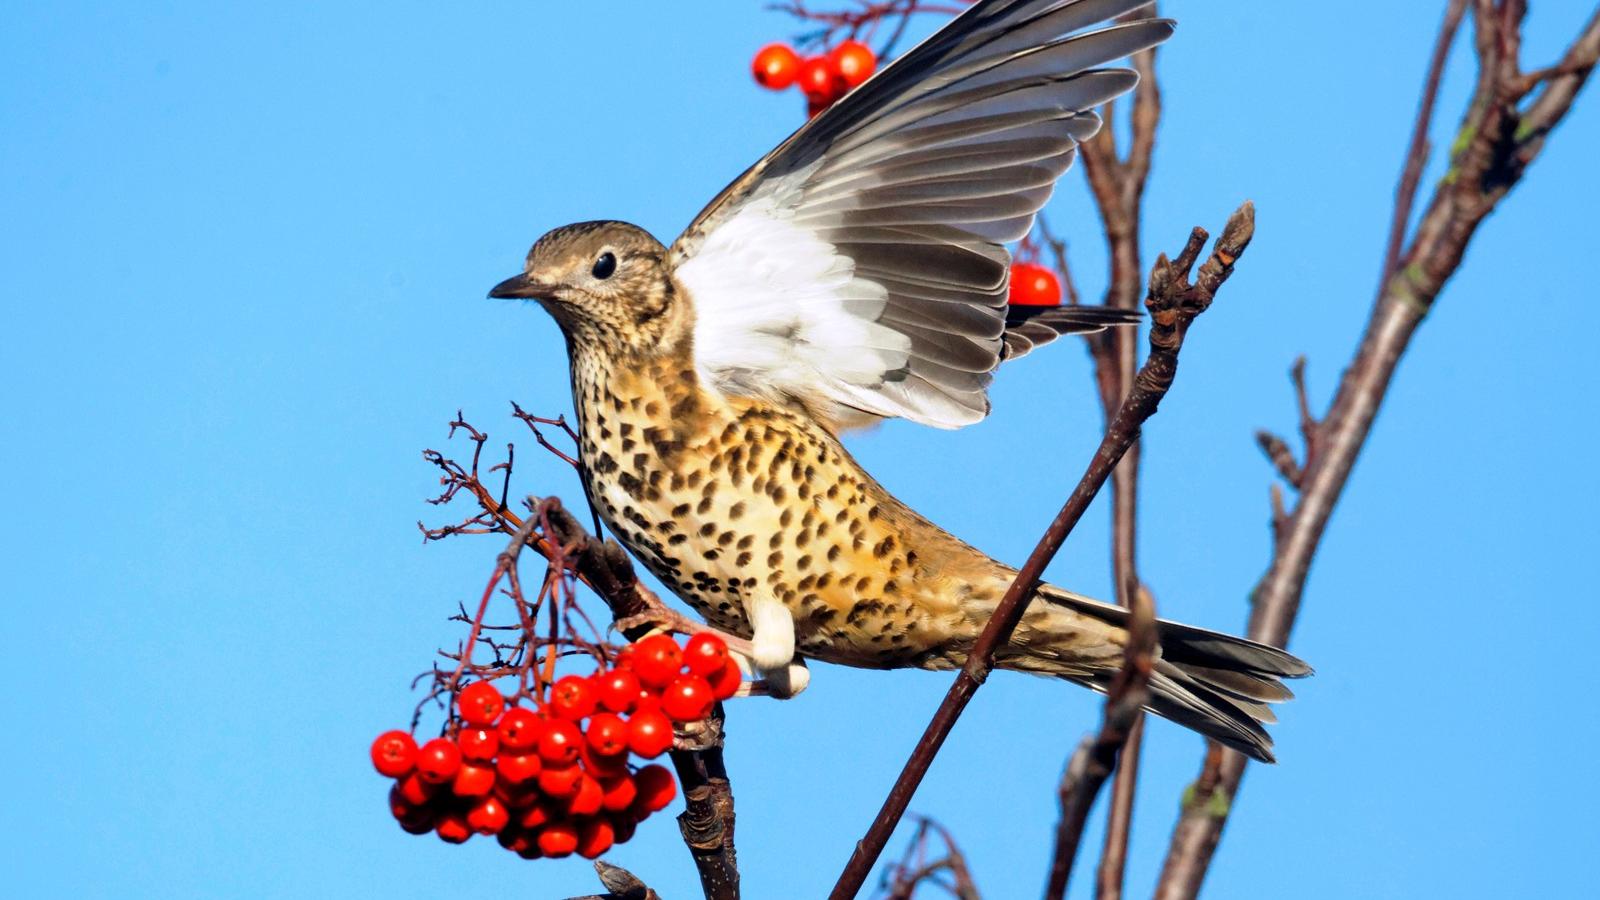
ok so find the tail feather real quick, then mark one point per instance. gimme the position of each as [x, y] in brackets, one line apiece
[1212, 683]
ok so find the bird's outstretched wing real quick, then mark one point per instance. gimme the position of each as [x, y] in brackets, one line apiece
[859, 267]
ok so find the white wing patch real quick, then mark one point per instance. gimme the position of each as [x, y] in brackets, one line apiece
[776, 309]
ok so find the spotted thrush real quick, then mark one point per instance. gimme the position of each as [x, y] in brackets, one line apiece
[856, 273]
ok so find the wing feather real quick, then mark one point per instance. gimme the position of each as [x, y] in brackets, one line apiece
[859, 268]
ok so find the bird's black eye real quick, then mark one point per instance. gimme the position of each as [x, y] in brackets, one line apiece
[605, 265]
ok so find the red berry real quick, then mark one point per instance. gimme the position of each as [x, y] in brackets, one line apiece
[518, 768]
[478, 743]
[452, 827]
[473, 779]
[687, 699]
[1034, 285]
[479, 703]
[624, 824]
[775, 66]
[657, 660]
[514, 838]
[587, 799]
[520, 729]
[559, 744]
[558, 839]
[416, 791]
[488, 817]
[656, 787]
[572, 698]
[438, 760]
[399, 806]
[647, 700]
[517, 796]
[562, 782]
[535, 816]
[617, 794]
[726, 681]
[819, 80]
[616, 690]
[420, 823]
[394, 753]
[607, 734]
[704, 654]
[605, 766]
[595, 837]
[854, 61]
[649, 734]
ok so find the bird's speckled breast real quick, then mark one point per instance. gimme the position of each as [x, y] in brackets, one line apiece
[725, 498]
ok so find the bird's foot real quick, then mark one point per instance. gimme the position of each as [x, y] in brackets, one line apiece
[782, 683]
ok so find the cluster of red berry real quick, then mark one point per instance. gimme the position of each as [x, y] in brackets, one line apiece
[823, 79]
[1034, 285]
[554, 779]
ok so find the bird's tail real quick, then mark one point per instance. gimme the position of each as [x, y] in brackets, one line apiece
[1216, 684]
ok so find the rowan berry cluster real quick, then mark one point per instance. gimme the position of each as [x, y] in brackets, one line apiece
[554, 778]
[823, 78]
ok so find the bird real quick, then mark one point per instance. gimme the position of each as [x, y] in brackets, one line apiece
[857, 273]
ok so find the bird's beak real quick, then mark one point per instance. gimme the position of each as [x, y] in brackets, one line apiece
[521, 287]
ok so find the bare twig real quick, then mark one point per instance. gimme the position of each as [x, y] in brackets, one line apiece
[1092, 763]
[1417, 154]
[1173, 304]
[918, 866]
[1499, 138]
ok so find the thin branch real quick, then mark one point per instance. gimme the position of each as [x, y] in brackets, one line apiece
[1096, 757]
[1497, 141]
[1173, 304]
[1417, 154]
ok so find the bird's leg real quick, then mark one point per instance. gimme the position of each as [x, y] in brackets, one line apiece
[772, 646]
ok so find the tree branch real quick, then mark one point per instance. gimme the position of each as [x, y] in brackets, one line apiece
[1496, 142]
[1173, 304]
[1096, 757]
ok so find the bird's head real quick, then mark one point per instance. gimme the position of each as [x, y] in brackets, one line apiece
[606, 283]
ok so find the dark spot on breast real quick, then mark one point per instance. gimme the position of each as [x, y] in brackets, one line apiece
[736, 510]
[862, 609]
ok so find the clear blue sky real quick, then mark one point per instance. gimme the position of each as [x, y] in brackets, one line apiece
[243, 286]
